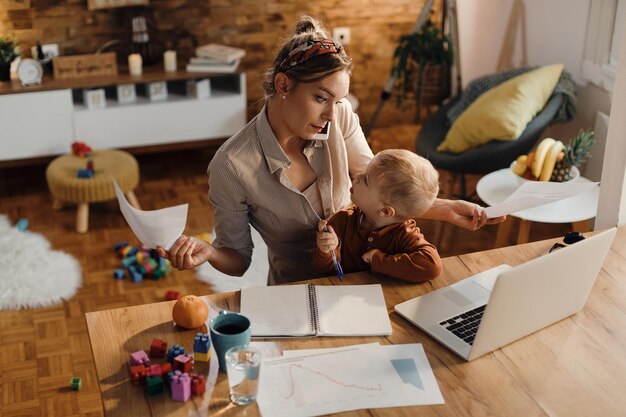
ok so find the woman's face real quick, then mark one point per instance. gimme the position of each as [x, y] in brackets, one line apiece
[307, 107]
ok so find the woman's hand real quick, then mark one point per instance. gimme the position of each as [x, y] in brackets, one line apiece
[327, 239]
[461, 213]
[187, 252]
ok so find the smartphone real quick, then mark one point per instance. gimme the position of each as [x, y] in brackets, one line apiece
[324, 133]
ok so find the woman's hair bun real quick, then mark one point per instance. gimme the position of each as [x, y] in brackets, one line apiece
[306, 24]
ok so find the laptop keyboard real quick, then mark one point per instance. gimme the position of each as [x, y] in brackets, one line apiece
[465, 325]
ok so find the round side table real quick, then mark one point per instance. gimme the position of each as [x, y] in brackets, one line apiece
[66, 187]
[497, 186]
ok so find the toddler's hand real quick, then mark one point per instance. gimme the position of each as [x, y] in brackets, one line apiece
[326, 237]
[367, 256]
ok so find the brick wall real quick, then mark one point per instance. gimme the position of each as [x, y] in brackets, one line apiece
[256, 25]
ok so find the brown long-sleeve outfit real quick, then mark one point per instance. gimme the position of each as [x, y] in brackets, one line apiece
[405, 254]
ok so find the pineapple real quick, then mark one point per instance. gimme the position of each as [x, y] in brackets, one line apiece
[576, 153]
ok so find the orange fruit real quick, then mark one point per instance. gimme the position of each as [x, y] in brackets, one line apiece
[190, 312]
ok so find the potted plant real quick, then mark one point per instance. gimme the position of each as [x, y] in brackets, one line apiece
[422, 59]
[8, 52]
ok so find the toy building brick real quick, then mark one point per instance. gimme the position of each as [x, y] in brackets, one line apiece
[201, 347]
[76, 383]
[165, 368]
[139, 358]
[158, 348]
[154, 386]
[198, 384]
[154, 370]
[174, 351]
[172, 295]
[180, 386]
[183, 363]
[138, 374]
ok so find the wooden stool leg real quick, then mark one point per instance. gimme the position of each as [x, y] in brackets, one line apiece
[524, 232]
[82, 218]
[582, 226]
[503, 233]
[57, 204]
[133, 200]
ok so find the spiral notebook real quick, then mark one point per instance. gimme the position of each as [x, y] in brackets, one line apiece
[316, 310]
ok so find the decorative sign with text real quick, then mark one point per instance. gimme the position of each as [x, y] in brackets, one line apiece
[84, 66]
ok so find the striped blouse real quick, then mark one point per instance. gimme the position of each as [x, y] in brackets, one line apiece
[248, 186]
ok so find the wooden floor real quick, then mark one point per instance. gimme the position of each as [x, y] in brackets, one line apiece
[43, 348]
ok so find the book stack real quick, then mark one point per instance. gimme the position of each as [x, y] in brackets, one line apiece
[214, 58]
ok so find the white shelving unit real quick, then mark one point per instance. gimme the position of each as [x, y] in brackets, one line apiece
[43, 123]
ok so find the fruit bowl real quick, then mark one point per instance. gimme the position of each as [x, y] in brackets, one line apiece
[574, 173]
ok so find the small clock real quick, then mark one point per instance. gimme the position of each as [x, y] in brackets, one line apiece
[30, 72]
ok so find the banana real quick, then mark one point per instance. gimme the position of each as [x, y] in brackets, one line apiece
[550, 161]
[540, 155]
[519, 167]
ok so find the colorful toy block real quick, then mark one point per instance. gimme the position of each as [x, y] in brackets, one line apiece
[201, 343]
[166, 368]
[183, 363]
[76, 383]
[154, 370]
[198, 384]
[84, 173]
[154, 386]
[139, 358]
[174, 351]
[180, 386]
[81, 149]
[171, 295]
[119, 274]
[141, 262]
[158, 348]
[138, 374]
[22, 224]
[201, 357]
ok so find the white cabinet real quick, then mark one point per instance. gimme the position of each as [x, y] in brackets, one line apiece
[35, 124]
[43, 123]
[185, 118]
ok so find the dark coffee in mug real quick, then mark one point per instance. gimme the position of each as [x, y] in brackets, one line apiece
[229, 329]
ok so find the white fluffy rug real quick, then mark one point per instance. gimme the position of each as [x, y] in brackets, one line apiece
[254, 276]
[31, 273]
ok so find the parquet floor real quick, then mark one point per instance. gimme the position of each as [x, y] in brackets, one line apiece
[41, 349]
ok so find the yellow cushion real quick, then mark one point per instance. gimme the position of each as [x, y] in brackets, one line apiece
[503, 111]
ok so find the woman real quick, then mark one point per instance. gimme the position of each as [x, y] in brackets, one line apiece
[281, 175]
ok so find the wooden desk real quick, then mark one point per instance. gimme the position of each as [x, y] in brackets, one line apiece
[577, 367]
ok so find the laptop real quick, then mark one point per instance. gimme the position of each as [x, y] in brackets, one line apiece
[491, 309]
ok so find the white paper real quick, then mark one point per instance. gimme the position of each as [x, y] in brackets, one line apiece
[155, 227]
[321, 383]
[411, 364]
[536, 193]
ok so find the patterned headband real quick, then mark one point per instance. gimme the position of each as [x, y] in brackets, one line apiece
[308, 50]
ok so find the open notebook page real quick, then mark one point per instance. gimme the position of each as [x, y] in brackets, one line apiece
[277, 311]
[352, 310]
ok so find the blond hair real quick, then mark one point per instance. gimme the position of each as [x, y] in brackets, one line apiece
[407, 182]
[307, 30]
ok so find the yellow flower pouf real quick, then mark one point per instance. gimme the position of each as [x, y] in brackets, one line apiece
[66, 187]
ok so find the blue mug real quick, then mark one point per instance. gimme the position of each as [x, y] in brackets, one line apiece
[228, 329]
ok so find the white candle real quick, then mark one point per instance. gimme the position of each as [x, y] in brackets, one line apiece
[134, 64]
[169, 61]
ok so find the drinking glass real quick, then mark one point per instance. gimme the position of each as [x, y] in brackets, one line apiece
[243, 364]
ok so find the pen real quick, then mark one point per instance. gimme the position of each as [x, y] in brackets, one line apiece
[335, 261]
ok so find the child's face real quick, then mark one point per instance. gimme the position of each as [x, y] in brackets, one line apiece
[365, 192]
